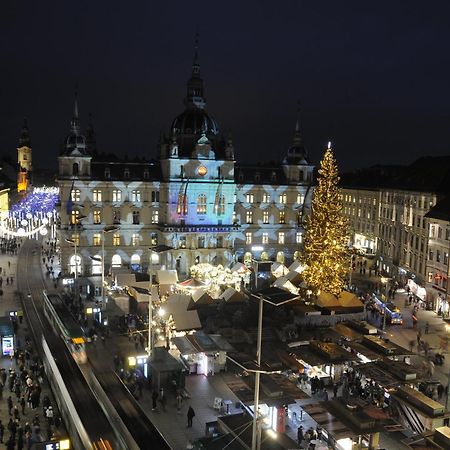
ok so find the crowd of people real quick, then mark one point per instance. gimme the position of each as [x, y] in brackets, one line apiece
[23, 385]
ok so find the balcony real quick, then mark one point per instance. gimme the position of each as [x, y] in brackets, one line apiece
[198, 228]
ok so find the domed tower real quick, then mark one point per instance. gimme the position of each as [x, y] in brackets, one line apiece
[74, 159]
[24, 159]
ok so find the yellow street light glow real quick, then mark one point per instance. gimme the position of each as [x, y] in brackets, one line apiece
[131, 361]
[272, 434]
[64, 444]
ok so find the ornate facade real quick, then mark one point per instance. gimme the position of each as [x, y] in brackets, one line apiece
[195, 198]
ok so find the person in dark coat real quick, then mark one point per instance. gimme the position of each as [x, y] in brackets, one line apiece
[190, 416]
[154, 398]
[300, 435]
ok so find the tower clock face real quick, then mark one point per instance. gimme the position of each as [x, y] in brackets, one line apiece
[202, 171]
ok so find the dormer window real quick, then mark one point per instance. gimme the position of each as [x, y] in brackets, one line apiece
[241, 176]
[126, 173]
[75, 169]
[257, 177]
[274, 177]
[301, 175]
[146, 174]
[107, 173]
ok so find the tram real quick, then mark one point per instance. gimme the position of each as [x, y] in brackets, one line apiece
[393, 314]
[65, 326]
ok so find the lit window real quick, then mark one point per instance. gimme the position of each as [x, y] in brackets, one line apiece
[183, 242]
[97, 195]
[281, 237]
[155, 216]
[266, 198]
[265, 238]
[282, 198]
[116, 195]
[430, 277]
[282, 217]
[299, 238]
[300, 199]
[97, 240]
[182, 205]
[116, 239]
[249, 217]
[248, 238]
[154, 238]
[201, 204]
[266, 217]
[249, 198]
[97, 216]
[135, 217]
[135, 196]
[235, 198]
[220, 207]
[74, 217]
[76, 195]
[235, 219]
[116, 216]
[135, 240]
[76, 239]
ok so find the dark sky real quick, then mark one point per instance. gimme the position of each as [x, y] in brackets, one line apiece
[373, 77]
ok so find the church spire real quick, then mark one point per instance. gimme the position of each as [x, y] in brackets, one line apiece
[75, 122]
[194, 97]
[298, 140]
[24, 139]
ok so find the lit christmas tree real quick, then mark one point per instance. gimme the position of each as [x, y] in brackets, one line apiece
[326, 254]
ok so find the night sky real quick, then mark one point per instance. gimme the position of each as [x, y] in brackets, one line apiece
[373, 79]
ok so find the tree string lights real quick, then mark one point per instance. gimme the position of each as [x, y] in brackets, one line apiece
[325, 250]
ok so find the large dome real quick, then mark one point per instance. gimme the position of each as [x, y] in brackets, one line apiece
[195, 121]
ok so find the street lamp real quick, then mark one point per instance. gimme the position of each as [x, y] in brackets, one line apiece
[385, 282]
[157, 250]
[77, 219]
[275, 297]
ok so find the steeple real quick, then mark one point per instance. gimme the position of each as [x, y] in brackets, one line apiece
[24, 139]
[75, 122]
[194, 97]
[298, 140]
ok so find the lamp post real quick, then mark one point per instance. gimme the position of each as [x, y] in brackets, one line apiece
[274, 301]
[156, 249]
[107, 229]
[385, 282]
[73, 242]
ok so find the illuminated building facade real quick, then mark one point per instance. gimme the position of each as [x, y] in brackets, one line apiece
[195, 198]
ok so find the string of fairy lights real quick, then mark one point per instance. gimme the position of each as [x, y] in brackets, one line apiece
[34, 215]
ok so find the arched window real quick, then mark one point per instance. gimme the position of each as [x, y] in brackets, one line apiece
[75, 264]
[96, 265]
[248, 258]
[264, 256]
[280, 257]
[135, 262]
[126, 173]
[201, 204]
[182, 206]
[116, 261]
[75, 169]
[297, 256]
[107, 173]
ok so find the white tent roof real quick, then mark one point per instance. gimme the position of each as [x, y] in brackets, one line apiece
[167, 276]
[284, 283]
[239, 267]
[125, 279]
[176, 306]
[346, 299]
[279, 269]
[231, 295]
[297, 266]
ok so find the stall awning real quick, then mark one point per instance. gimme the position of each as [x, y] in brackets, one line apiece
[184, 345]
[125, 279]
[6, 328]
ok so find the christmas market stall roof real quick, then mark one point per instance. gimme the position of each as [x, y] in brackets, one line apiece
[346, 300]
[285, 284]
[231, 295]
[200, 297]
[239, 267]
[317, 353]
[167, 277]
[279, 269]
[192, 283]
[162, 361]
[349, 418]
[176, 306]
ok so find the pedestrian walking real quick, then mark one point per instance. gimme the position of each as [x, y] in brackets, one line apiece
[162, 399]
[427, 327]
[10, 405]
[300, 435]
[190, 416]
[22, 404]
[179, 402]
[2, 431]
[154, 399]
